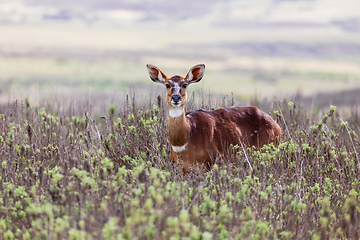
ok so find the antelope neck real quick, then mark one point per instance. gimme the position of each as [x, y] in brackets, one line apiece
[179, 130]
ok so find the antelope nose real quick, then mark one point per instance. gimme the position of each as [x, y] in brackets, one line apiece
[175, 98]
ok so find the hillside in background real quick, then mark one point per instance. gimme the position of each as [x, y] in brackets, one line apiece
[257, 48]
[268, 13]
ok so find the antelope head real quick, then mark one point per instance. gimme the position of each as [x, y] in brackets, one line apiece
[176, 86]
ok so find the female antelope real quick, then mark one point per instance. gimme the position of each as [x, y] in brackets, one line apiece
[200, 137]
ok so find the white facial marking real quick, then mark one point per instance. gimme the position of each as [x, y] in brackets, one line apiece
[176, 88]
[176, 105]
[176, 91]
[179, 149]
[176, 112]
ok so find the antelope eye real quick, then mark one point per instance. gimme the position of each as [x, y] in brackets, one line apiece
[167, 86]
[184, 86]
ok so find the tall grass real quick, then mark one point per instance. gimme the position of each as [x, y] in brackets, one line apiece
[67, 174]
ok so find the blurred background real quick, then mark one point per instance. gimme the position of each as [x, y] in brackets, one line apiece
[93, 50]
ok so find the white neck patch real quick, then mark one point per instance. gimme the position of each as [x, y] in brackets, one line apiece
[179, 149]
[176, 112]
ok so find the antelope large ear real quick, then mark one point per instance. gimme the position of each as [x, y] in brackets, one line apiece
[195, 74]
[156, 74]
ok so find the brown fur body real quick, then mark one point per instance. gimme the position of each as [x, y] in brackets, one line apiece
[208, 134]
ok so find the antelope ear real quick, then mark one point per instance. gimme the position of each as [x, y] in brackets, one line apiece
[156, 74]
[195, 74]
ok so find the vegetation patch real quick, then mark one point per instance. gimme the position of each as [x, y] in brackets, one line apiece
[111, 177]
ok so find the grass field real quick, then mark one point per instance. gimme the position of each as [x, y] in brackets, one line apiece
[66, 174]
